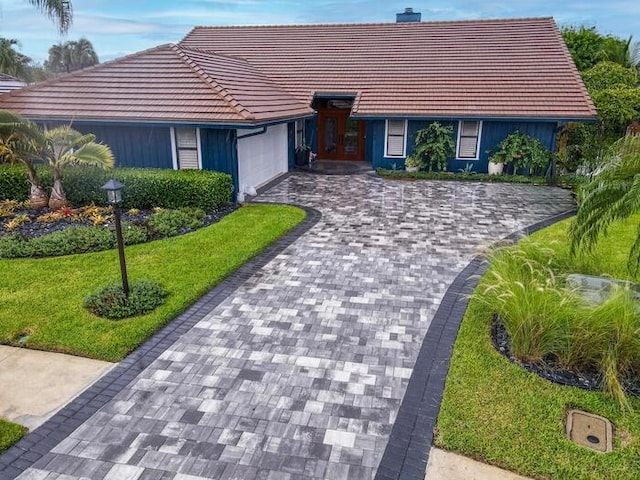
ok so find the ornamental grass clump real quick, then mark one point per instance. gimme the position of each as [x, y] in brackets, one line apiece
[536, 310]
[551, 324]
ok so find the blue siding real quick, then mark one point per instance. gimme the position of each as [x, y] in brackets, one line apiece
[311, 133]
[492, 133]
[291, 144]
[148, 147]
[220, 152]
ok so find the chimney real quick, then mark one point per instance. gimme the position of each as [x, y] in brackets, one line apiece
[408, 16]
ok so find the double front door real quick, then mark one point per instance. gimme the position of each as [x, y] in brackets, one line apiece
[340, 137]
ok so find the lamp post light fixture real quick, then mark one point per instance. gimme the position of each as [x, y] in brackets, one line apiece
[114, 197]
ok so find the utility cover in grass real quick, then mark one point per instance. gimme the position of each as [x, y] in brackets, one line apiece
[111, 302]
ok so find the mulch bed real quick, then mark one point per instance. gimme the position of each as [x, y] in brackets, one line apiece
[34, 228]
[549, 368]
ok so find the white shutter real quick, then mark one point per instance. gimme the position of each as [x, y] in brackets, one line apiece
[396, 127]
[395, 146]
[396, 138]
[186, 138]
[469, 129]
[467, 147]
[468, 138]
[188, 159]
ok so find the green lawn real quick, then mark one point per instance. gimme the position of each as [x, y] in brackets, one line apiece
[10, 433]
[500, 414]
[43, 297]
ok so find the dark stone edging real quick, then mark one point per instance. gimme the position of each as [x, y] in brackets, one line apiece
[409, 444]
[42, 440]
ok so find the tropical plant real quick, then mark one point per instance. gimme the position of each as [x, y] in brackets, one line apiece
[434, 145]
[414, 161]
[20, 141]
[69, 56]
[521, 151]
[60, 11]
[12, 62]
[613, 194]
[65, 146]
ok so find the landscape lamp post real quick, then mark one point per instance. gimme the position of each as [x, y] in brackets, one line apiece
[114, 197]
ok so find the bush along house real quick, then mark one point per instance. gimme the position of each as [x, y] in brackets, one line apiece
[241, 100]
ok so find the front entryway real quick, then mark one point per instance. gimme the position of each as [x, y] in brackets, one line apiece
[340, 137]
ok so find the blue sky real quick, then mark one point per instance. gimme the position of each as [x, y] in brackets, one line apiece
[118, 27]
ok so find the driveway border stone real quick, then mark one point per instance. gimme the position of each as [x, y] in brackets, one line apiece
[37, 443]
[407, 451]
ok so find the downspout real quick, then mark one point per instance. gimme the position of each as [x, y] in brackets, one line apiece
[253, 134]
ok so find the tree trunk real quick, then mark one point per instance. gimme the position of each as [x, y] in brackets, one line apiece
[38, 196]
[57, 199]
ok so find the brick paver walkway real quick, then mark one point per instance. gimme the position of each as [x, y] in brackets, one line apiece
[300, 373]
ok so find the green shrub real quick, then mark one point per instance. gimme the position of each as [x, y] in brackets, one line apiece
[69, 241]
[145, 188]
[170, 223]
[13, 183]
[111, 302]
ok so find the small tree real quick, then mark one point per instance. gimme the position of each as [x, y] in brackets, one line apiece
[20, 141]
[434, 145]
[65, 146]
[521, 151]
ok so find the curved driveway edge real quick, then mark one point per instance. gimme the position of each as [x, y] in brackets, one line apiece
[42, 440]
[407, 452]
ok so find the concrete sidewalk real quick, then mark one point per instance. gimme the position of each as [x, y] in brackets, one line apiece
[445, 465]
[36, 384]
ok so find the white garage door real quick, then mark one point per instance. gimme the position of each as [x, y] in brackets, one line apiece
[262, 157]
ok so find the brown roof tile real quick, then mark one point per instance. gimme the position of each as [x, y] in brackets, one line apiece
[166, 83]
[489, 68]
[493, 68]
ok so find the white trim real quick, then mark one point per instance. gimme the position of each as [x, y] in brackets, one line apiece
[386, 136]
[174, 151]
[199, 145]
[477, 156]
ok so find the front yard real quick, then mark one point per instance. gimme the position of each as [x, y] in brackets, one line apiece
[42, 299]
[498, 413]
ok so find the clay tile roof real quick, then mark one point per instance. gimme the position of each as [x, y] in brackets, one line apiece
[166, 83]
[484, 68]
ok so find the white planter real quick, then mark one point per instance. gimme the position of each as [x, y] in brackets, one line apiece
[495, 168]
[413, 169]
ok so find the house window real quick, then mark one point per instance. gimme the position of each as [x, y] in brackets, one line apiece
[300, 136]
[396, 138]
[469, 139]
[186, 148]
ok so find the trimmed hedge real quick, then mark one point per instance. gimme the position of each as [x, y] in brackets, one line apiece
[13, 183]
[144, 187]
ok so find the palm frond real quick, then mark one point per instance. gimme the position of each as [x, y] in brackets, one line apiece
[94, 155]
[60, 11]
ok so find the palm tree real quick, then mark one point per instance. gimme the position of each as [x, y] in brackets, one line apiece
[11, 62]
[69, 56]
[60, 11]
[65, 146]
[613, 194]
[20, 141]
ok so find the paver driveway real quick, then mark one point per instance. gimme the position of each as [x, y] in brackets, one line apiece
[300, 373]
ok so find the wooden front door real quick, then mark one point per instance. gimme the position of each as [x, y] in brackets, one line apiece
[340, 137]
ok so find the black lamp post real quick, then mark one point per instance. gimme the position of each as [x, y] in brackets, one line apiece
[114, 197]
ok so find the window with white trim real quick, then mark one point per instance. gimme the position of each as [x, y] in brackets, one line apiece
[395, 138]
[187, 155]
[468, 139]
[300, 137]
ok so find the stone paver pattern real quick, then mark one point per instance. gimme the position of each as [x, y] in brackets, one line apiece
[300, 373]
